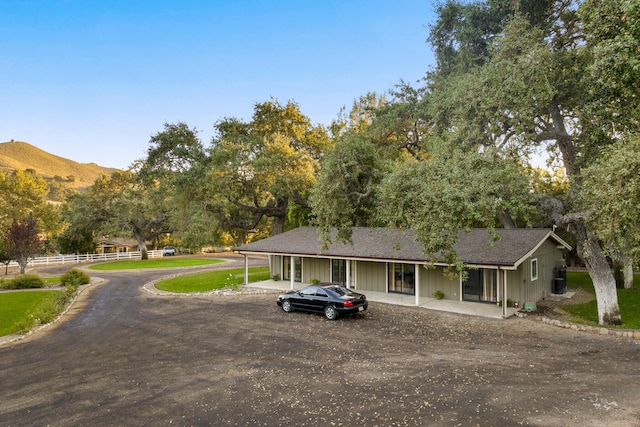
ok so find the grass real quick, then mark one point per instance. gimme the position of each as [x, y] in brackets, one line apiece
[587, 313]
[21, 310]
[154, 263]
[212, 280]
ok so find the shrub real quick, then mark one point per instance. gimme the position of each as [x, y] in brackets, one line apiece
[74, 277]
[438, 295]
[26, 281]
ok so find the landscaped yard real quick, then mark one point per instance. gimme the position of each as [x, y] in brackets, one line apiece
[154, 263]
[212, 280]
[20, 308]
[587, 313]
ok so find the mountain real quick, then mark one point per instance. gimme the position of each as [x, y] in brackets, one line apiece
[16, 155]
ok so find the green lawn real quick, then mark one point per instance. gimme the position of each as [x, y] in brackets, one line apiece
[587, 313]
[209, 281]
[18, 309]
[169, 262]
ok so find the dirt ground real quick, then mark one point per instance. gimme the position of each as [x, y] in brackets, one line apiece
[124, 356]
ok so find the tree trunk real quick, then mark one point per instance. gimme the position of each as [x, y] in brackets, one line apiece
[141, 245]
[597, 265]
[628, 273]
[278, 224]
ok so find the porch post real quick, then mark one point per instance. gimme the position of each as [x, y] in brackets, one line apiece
[292, 271]
[504, 292]
[348, 273]
[246, 269]
[417, 285]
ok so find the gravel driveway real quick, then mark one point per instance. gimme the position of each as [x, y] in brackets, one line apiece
[122, 356]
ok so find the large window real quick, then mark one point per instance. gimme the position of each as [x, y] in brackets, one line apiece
[402, 278]
[480, 285]
[339, 271]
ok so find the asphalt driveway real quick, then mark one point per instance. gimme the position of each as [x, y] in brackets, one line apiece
[126, 357]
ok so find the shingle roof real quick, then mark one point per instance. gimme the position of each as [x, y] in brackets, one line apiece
[475, 247]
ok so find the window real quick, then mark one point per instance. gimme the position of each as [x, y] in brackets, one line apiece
[534, 269]
[309, 291]
[402, 278]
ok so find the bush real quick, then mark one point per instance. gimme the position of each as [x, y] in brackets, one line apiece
[74, 278]
[26, 281]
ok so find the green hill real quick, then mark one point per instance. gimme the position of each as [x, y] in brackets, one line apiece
[16, 155]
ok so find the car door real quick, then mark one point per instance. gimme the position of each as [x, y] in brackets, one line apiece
[305, 299]
[321, 300]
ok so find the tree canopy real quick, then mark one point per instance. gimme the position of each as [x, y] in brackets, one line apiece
[512, 80]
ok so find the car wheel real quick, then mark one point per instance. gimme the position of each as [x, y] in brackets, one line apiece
[330, 312]
[286, 306]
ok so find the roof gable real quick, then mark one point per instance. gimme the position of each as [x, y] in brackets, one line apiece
[475, 247]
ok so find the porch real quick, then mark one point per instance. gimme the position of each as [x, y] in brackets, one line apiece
[460, 307]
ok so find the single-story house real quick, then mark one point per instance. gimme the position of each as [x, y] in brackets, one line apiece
[108, 245]
[523, 265]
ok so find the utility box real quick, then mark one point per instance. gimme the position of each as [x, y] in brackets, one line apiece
[559, 285]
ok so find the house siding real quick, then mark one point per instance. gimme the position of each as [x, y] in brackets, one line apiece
[548, 257]
[371, 276]
[432, 280]
[316, 269]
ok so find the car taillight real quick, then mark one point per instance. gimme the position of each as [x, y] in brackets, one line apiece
[348, 303]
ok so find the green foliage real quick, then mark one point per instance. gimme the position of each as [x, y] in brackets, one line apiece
[438, 294]
[20, 311]
[23, 194]
[83, 218]
[26, 281]
[171, 151]
[257, 168]
[440, 197]
[75, 277]
[587, 313]
[209, 281]
[166, 262]
[612, 191]
[346, 193]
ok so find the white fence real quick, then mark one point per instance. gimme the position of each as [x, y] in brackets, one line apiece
[77, 259]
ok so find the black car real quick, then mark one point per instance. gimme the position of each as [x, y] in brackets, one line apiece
[330, 299]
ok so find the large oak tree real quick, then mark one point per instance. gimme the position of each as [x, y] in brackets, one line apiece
[258, 169]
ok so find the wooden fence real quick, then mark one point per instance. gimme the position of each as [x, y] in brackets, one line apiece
[42, 261]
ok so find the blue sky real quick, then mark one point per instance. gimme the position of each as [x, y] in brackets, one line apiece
[92, 81]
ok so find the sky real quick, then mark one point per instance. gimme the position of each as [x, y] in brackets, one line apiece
[93, 80]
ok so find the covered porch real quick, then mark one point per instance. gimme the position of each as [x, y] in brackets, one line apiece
[460, 307]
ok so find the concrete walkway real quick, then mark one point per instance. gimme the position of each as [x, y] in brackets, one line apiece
[461, 307]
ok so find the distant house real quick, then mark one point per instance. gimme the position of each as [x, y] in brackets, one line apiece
[108, 245]
[522, 265]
